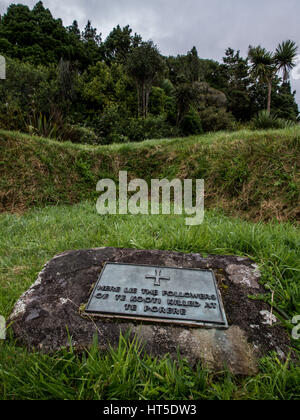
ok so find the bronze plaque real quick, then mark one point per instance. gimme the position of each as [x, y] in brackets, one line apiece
[158, 294]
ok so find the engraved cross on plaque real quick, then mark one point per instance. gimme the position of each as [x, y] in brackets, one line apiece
[157, 277]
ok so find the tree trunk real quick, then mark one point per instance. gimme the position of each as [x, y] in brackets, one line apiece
[138, 98]
[147, 100]
[144, 100]
[269, 96]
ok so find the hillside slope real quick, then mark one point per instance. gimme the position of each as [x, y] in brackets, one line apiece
[255, 175]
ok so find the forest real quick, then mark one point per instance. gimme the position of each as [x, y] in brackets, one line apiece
[69, 84]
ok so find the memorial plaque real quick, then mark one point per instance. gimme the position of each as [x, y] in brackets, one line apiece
[158, 294]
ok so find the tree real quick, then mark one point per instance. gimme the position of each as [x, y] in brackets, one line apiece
[90, 34]
[200, 97]
[33, 35]
[284, 103]
[184, 68]
[186, 96]
[284, 58]
[263, 68]
[66, 89]
[74, 29]
[92, 44]
[119, 43]
[265, 65]
[143, 65]
[236, 83]
[193, 65]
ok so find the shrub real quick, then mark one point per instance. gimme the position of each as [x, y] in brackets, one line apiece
[157, 101]
[12, 117]
[152, 127]
[111, 125]
[215, 119]
[191, 123]
[168, 87]
[265, 121]
[85, 135]
[43, 126]
[115, 127]
[53, 126]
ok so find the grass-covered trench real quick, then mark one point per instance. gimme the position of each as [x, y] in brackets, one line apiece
[251, 174]
[29, 240]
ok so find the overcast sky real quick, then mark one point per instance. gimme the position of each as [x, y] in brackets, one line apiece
[177, 25]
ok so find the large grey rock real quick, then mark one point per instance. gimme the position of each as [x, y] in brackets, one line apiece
[51, 309]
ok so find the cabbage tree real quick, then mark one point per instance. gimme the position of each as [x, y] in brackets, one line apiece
[266, 65]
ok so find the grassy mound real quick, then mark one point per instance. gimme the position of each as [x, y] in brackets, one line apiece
[251, 174]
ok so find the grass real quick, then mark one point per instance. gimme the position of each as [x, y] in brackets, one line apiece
[125, 373]
[29, 240]
[254, 175]
[49, 189]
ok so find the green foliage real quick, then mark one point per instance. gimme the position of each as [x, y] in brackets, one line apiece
[36, 90]
[262, 183]
[207, 96]
[209, 103]
[236, 84]
[168, 87]
[158, 100]
[12, 117]
[36, 37]
[215, 119]
[97, 86]
[144, 63]
[186, 97]
[83, 135]
[119, 43]
[112, 127]
[70, 85]
[41, 126]
[125, 371]
[54, 127]
[65, 173]
[283, 103]
[193, 65]
[191, 123]
[19, 95]
[187, 68]
[103, 85]
[265, 65]
[262, 63]
[284, 57]
[264, 120]
[152, 127]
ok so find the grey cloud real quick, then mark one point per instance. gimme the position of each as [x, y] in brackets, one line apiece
[176, 25]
